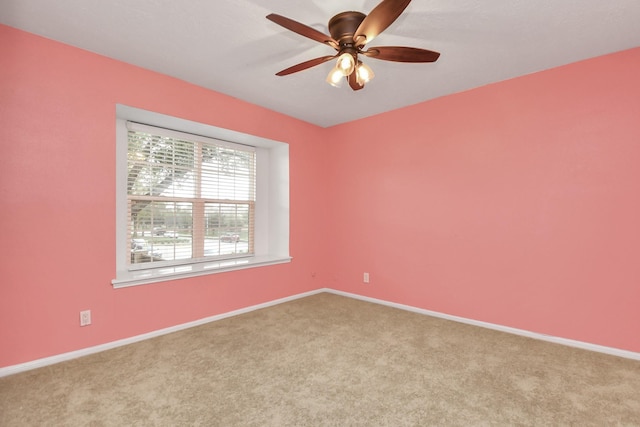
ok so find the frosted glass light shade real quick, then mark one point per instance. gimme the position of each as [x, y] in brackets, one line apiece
[335, 77]
[364, 73]
[346, 63]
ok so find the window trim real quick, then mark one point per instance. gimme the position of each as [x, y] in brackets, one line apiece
[271, 243]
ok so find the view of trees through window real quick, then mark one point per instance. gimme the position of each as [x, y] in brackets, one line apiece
[189, 198]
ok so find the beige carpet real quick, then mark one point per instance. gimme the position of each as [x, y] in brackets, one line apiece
[328, 360]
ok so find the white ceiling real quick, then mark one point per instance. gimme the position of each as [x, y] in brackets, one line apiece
[229, 46]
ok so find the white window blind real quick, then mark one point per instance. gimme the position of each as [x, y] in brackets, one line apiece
[189, 198]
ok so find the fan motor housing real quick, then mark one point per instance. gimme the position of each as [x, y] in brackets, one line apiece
[343, 26]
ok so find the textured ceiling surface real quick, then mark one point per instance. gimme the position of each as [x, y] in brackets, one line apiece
[230, 47]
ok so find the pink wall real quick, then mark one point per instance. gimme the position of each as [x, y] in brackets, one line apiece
[57, 170]
[516, 203]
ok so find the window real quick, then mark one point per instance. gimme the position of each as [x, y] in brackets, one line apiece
[188, 197]
[193, 199]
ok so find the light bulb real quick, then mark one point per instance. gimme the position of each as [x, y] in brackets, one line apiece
[364, 73]
[335, 77]
[346, 64]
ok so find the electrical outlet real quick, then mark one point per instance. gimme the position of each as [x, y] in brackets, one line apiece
[85, 318]
[365, 278]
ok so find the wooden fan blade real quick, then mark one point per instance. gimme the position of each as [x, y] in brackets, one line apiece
[304, 65]
[303, 30]
[401, 54]
[383, 15]
[353, 81]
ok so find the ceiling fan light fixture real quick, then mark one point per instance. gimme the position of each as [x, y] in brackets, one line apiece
[350, 31]
[335, 76]
[346, 64]
[364, 73]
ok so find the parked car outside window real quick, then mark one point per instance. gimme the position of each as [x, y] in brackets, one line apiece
[230, 237]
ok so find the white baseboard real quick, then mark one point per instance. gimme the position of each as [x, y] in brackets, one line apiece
[39, 363]
[557, 340]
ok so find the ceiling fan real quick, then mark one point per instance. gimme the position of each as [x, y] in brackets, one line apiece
[350, 31]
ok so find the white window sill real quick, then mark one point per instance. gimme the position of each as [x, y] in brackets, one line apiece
[161, 274]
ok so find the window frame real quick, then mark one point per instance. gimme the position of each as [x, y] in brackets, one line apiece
[194, 194]
[271, 235]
